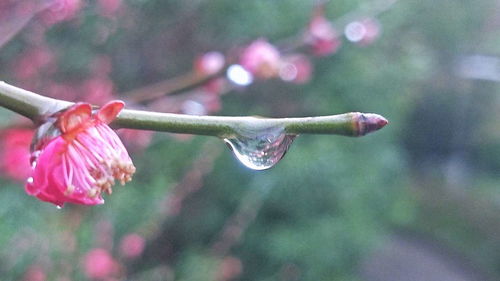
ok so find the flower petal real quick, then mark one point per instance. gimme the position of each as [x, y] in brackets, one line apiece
[74, 117]
[109, 111]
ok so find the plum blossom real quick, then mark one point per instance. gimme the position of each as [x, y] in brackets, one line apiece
[132, 245]
[15, 153]
[296, 69]
[79, 157]
[261, 59]
[322, 36]
[62, 10]
[363, 32]
[98, 264]
[209, 64]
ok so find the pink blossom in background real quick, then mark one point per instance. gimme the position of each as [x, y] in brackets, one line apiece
[229, 269]
[96, 90]
[61, 10]
[296, 68]
[322, 36]
[132, 245]
[101, 65]
[209, 63]
[32, 62]
[214, 86]
[63, 91]
[98, 264]
[212, 102]
[15, 153]
[35, 273]
[83, 161]
[135, 140]
[109, 7]
[363, 32]
[261, 59]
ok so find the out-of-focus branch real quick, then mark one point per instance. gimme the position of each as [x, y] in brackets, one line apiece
[35, 106]
[10, 27]
[191, 81]
[172, 86]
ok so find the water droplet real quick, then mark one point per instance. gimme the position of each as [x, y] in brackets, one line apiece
[33, 157]
[262, 149]
[59, 207]
[29, 180]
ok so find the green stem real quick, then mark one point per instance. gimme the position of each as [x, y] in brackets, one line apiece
[35, 106]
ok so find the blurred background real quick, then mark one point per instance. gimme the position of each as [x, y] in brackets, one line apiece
[418, 200]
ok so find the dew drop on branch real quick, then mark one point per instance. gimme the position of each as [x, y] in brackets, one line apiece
[260, 149]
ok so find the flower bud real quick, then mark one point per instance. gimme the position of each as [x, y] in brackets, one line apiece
[78, 156]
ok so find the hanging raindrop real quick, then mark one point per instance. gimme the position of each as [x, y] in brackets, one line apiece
[260, 149]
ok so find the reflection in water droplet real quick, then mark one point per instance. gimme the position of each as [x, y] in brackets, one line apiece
[30, 180]
[261, 149]
[59, 207]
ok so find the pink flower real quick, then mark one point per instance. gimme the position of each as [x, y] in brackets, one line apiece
[82, 159]
[97, 89]
[261, 59]
[109, 7]
[62, 10]
[15, 153]
[322, 36]
[99, 264]
[363, 32]
[229, 268]
[35, 273]
[209, 63]
[132, 245]
[61, 91]
[296, 69]
[33, 62]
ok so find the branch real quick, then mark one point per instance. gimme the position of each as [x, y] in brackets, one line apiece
[174, 86]
[35, 107]
[190, 81]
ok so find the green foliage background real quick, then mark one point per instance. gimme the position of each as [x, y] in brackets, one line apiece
[332, 200]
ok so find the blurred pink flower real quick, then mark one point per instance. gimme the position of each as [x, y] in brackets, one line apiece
[109, 7]
[214, 86]
[15, 153]
[363, 32]
[261, 59]
[61, 10]
[32, 62]
[296, 69]
[209, 63]
[101, 65]
[96, 90]
[35, 273]
[212, 102]
[61, 91]
[322, 36]
[83, 160]
[229, 269]
[135, 140]
[132, 245]
[99, 264]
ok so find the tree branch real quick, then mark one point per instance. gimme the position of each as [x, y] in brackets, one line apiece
[35, 107]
